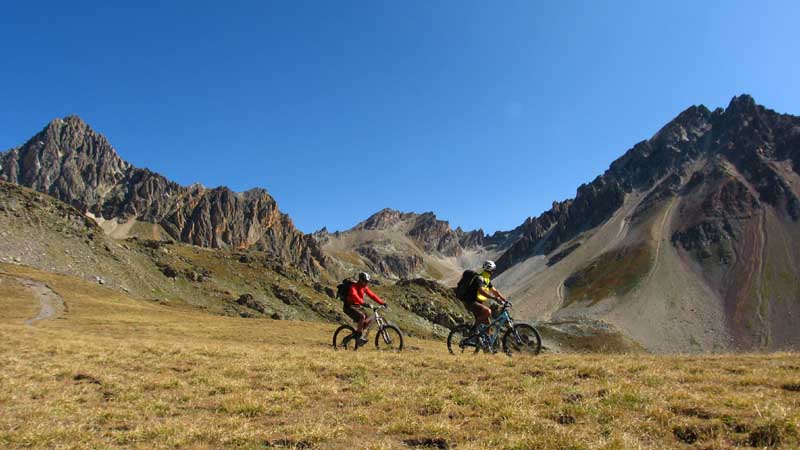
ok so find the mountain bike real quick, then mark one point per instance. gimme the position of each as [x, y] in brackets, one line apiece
[519, 338]
[388, 337]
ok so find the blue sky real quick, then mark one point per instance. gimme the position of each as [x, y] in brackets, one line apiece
[483, 112]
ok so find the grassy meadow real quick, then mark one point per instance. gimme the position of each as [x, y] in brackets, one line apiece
[114, 371]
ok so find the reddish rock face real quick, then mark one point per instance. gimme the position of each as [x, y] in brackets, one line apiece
[73, 163]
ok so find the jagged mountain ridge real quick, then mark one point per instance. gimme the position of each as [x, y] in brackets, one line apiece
[77, 165]
[432, 234]
[686, 242]
[682, 140]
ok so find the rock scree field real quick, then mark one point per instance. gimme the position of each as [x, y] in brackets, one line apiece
[110, 370]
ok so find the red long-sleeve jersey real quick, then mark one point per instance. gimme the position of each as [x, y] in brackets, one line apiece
[356, 294]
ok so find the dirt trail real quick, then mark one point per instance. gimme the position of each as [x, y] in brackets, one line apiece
[52, 304]
[661, 237]
[560, 293]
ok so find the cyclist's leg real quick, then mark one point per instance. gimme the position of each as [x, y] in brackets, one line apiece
[364, 323]
[357, 315]
[482, 315]
[495, 309]
[481, 312]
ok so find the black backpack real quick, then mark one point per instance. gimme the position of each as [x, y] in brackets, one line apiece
[467, 289]
[343, 289]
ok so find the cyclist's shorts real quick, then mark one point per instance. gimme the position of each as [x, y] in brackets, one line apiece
[355, 313]
[477, 308]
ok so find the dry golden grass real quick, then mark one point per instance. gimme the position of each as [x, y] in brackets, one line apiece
[119, 372]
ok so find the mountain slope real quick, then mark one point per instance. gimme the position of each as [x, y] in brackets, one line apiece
[686, 242]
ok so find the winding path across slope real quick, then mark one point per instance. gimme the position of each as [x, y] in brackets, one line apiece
[52, 304]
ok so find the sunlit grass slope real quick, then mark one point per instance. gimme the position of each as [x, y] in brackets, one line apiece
[119, 372]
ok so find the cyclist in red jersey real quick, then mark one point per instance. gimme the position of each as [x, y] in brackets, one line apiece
[354, 305]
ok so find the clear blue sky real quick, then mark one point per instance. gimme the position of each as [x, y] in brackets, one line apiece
[483, 112]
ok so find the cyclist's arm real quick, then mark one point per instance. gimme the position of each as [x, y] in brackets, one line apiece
[497, 294]
[491, 292]
[374, 296]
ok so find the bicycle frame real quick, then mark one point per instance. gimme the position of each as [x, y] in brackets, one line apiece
[498, 323]
[376, 319]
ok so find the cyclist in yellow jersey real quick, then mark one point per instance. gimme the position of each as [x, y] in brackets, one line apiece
[484, 293]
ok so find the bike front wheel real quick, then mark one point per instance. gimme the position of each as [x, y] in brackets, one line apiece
[389, 338]
[458, 342]
[523, 339]
[344, 338]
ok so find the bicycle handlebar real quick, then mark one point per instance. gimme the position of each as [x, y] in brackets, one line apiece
[506, 304]
[367, 305]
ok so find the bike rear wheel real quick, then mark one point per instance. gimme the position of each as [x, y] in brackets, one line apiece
[389, 338]
[457, 343]
[344, 338]
[523, 339]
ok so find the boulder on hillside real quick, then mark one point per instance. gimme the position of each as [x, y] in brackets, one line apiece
[168, 271]
[249, 301]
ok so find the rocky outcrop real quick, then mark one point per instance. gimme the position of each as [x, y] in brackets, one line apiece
[390, 264]
[435, 235]
[73, 163]
[417, 294]
[471, 239]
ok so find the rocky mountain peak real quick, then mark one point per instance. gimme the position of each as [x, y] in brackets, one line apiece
[77, 165]
[67, 160]
[742, 104]
[384, 219]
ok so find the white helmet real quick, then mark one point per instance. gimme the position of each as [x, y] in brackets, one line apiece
[489, 266]
[364, 276]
